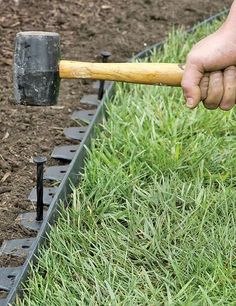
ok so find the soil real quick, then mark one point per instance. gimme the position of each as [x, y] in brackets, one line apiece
[86, 27]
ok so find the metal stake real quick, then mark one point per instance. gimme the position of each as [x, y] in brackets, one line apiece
[39, 160]
[105, 56]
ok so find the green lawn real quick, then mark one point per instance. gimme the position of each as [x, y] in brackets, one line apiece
[153, 222]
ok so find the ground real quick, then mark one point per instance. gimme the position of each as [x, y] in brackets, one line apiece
[86, 28]
[153, 220]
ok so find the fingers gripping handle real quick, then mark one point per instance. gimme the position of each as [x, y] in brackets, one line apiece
[141, 73]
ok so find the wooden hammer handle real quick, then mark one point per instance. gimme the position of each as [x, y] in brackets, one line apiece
[142, 73]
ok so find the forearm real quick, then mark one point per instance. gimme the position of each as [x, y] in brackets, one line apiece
[231, 20]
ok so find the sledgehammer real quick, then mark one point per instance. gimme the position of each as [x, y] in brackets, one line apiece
[37, 70]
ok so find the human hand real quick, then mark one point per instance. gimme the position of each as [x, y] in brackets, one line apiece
[210, 72]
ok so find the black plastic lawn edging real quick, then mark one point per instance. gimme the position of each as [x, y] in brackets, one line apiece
[11, 279]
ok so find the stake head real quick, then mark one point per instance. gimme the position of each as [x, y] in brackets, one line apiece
[39, 159]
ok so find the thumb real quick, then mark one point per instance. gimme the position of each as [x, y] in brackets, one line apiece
[191, 84]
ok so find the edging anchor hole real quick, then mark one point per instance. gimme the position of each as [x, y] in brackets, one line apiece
[25, 246]
[11, 277]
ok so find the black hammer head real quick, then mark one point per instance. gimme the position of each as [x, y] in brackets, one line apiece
[35, 69]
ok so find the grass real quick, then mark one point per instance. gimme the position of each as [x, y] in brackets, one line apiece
[153, 222]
